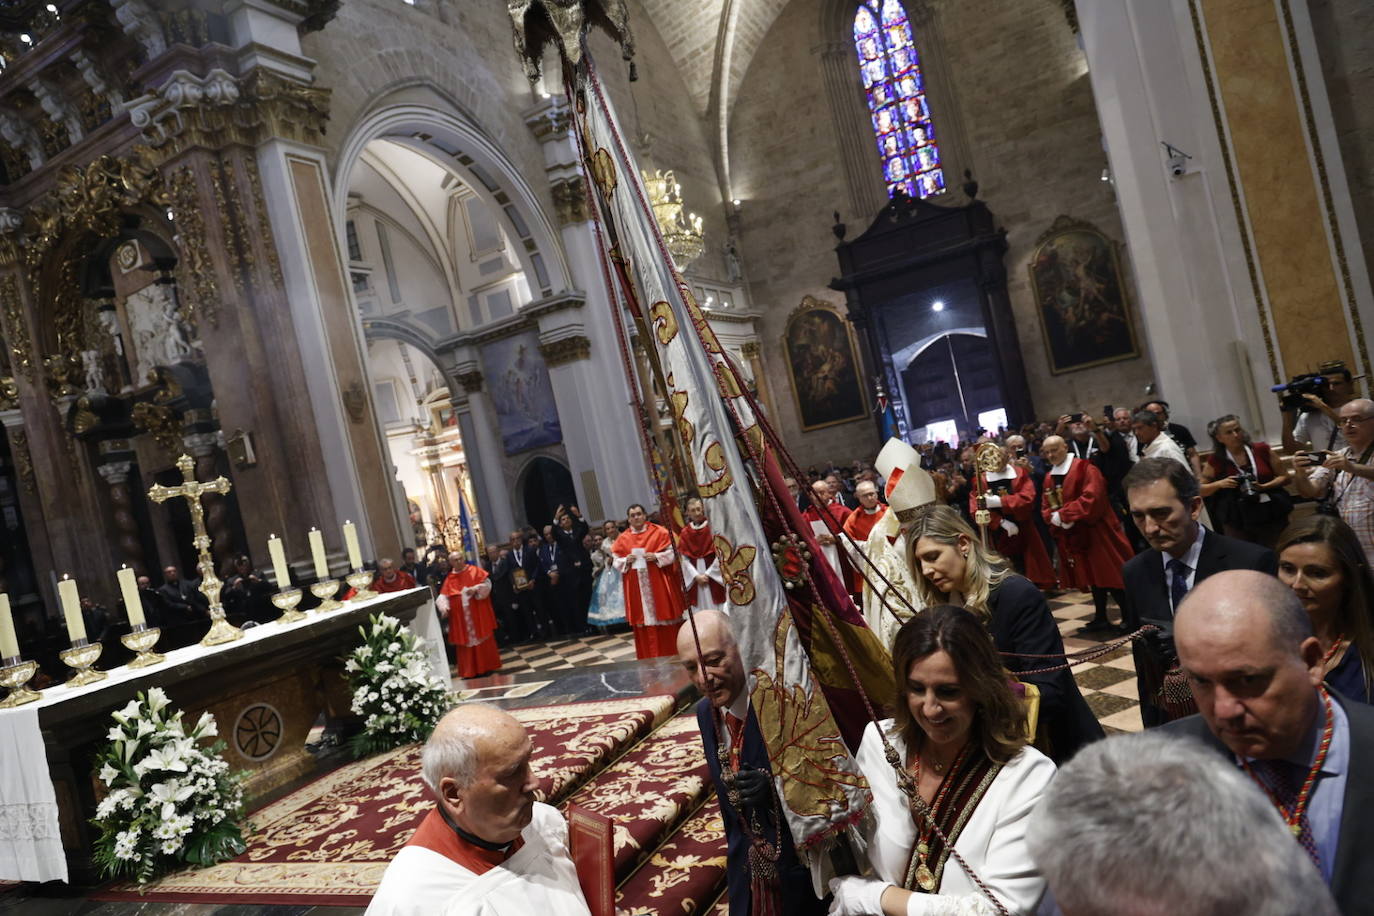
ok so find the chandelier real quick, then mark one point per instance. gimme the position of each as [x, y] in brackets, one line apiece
[681, 230]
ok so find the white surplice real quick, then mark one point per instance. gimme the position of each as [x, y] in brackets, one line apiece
[538, 878]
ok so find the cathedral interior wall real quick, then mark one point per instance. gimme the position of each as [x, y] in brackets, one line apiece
[1033, 137]
[1345, 41]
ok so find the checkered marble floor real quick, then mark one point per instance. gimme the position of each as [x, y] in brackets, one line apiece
[1107, 684]
[568, 653]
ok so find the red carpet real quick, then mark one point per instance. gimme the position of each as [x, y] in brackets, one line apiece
[330, 841]
[685, 874]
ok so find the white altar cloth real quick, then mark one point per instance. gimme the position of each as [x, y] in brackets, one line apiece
[30, 841]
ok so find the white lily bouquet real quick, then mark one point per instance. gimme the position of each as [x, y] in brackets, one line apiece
[394, 688]
[171, 799]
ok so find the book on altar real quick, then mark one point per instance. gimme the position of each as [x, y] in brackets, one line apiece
[591, 843]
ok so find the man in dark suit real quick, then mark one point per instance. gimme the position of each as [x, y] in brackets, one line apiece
[1165, 504]
[575, 581]
[521, 568]
[1256, 672]
[743, 781]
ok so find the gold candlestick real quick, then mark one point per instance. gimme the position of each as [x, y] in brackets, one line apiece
[80, 658]
[142, 640]
[325, 590]
[286, 601]
[221, 630]
[360, 581]
[14, 677]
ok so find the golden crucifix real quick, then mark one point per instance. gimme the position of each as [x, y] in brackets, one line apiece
[221, 630]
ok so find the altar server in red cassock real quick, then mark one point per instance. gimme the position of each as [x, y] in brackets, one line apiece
[1011, 504]
[653, 598]
[1092, 547]
[702, 582]
[466, 596]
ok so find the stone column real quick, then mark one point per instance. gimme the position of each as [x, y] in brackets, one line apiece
[1247, 263]
[481, 441]
[753, 352]
[610, 460]
[116, 461]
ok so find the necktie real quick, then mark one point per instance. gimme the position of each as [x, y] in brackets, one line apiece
[1179, 586]
[1285, 780]
[736, 726]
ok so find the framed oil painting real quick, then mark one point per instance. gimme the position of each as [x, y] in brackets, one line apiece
[823, 366]
[1075, 276]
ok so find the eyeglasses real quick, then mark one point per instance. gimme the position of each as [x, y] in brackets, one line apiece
[1352, 421]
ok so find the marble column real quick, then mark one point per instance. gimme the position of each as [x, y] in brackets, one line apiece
[481, 441]
[611, 457]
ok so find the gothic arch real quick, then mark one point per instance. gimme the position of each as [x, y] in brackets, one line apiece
[439, 129]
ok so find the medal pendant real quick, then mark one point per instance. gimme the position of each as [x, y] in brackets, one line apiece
[922, 849]
[924, 878]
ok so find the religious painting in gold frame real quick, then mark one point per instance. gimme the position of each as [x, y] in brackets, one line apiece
[823, 366]
[1080, 295]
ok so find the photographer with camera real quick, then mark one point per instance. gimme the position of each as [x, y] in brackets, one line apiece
[1343, 480]
[1243, 485]
[1310, 403]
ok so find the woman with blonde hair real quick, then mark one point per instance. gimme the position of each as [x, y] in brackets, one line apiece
[951, 566]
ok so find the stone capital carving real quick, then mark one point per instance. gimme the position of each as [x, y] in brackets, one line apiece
[570, 200]
[470, 380]
[551, 120]
[115, 473]
[200, 445]
[219, 109]
[750, 349]
[59, 107]
[141, 23]
[565, 350]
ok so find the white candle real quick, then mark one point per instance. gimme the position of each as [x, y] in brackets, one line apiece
[355, 553]
[133, 602]
[71, 608]
[9, 643]
[317, 551]
[278, 554]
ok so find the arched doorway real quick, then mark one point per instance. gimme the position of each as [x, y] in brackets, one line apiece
[545, 485]
[953, 378]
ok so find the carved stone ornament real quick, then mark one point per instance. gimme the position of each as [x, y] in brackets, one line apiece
[471, 381]
[218, 110]
[58, 372]
[570, 201]
[566, 350]
[23, 461]
[750, 349]
[355, 401]
[199, 288]
[16, 331]
[161, 422]
[9, 393]
[566, 23]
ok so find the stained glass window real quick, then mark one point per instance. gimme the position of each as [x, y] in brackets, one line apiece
[892, 78]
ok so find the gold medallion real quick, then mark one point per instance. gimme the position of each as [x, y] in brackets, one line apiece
[924, 878]
[922, 850]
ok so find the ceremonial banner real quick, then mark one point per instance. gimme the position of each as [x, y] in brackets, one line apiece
[818, 781]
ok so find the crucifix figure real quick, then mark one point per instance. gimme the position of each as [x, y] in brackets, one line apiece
[221, 630]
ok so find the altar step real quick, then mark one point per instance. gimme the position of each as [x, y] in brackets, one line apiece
[669, 842]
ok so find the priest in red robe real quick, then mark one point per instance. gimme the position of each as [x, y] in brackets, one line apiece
[1092, 547]
[1010, 501]
[859, 525]
[391, 579]
[466, 597]
[826, 530]
[702, 582]
[653, 598]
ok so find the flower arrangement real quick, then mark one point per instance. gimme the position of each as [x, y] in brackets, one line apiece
[171, 798]
[394, 689]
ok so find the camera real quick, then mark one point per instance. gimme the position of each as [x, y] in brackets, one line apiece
[1292, 392]
[1076, 418]
[1245, 485]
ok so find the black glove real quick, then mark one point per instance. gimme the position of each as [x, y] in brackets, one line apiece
[755, 789]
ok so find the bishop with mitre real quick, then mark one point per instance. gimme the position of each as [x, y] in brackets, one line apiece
[653, 598]
[466, 597]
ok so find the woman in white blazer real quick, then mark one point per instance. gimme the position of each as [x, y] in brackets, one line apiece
[958, 848]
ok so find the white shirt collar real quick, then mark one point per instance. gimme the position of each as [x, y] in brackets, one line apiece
[701, 524]
[1007, 473]
[1063, 468]
[1190, 558]
[740, 708]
